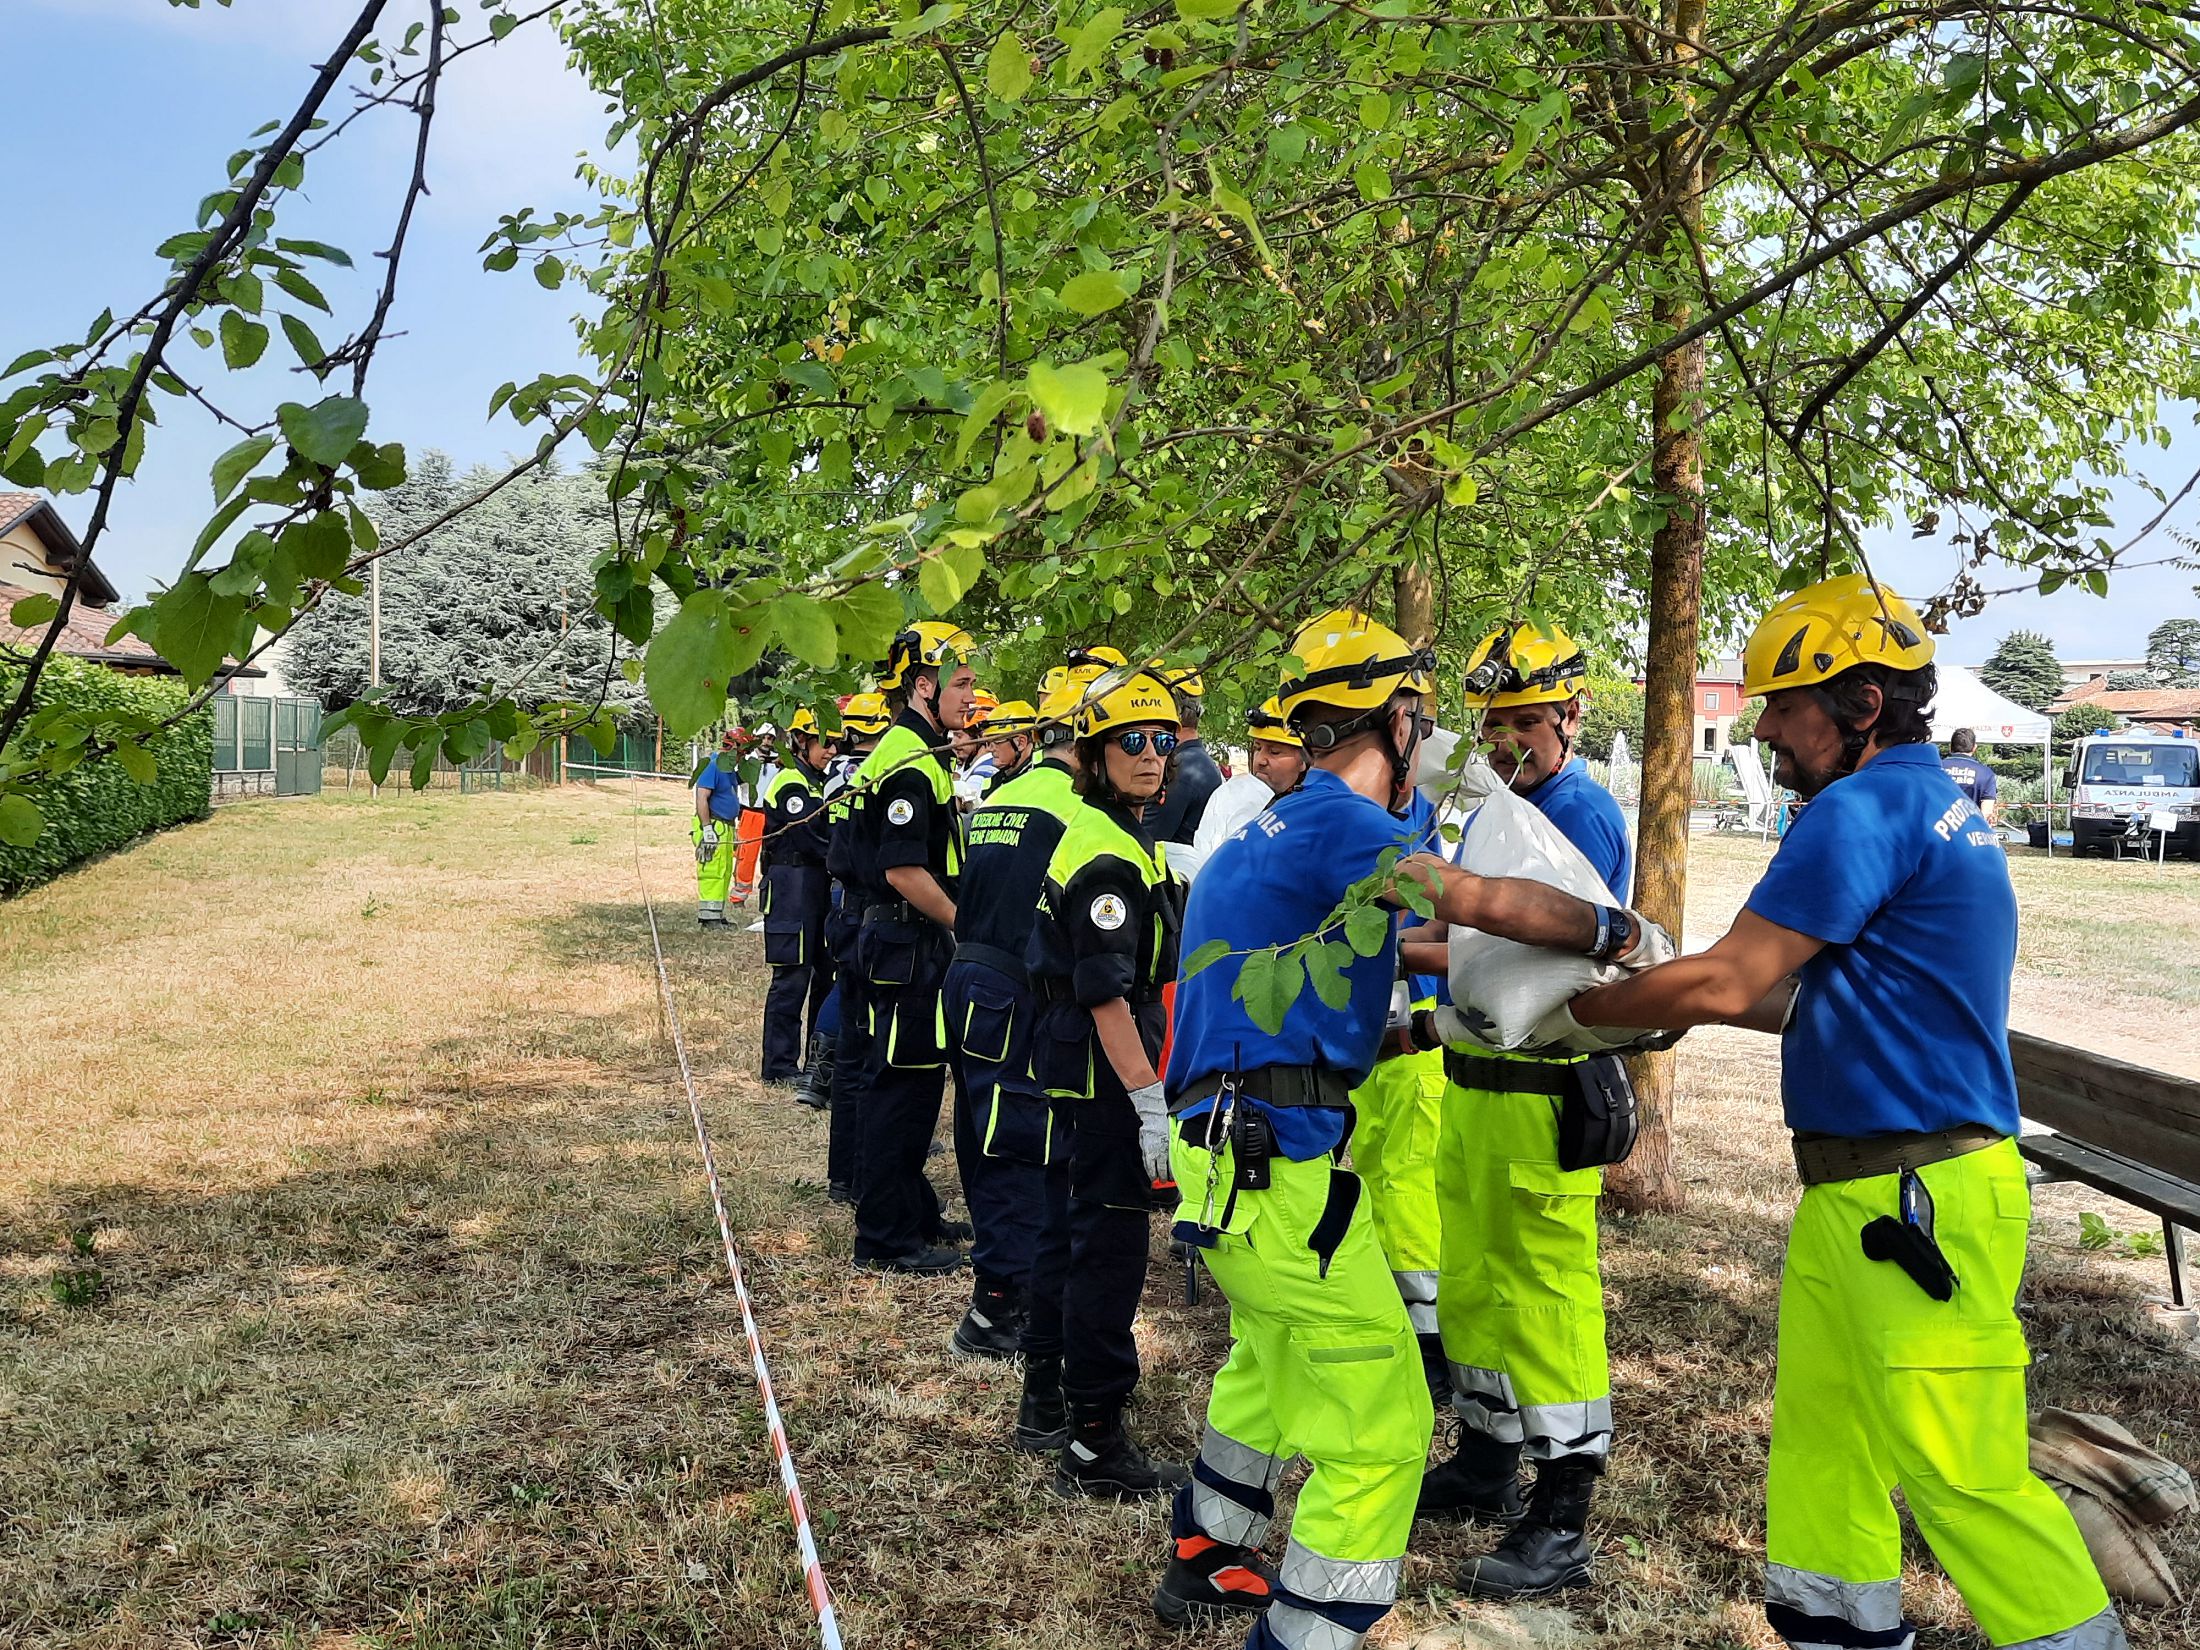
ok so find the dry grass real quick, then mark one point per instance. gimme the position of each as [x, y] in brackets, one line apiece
[412, 1330]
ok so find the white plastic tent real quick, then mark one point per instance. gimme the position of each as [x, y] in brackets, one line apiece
[1966, 702]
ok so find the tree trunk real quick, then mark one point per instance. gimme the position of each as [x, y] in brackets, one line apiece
[1648, 1180]
[1413, 602]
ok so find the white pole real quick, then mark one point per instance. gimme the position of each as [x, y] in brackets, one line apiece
[374, 631]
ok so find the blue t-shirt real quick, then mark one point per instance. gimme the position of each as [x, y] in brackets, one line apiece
[1903, 1018]
[724, 785]
[1973, 777]
[1586, 816]
[1277, 878]
[1428, 838]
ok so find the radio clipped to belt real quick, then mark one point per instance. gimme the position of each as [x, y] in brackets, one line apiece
[1249, 1139]
[1598, 1118]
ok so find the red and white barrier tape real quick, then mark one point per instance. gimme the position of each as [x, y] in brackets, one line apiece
[821, 1596]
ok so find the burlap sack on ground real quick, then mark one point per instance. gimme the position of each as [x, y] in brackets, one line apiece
[2116, 1489]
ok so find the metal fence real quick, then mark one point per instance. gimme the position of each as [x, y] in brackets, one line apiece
[554, 762]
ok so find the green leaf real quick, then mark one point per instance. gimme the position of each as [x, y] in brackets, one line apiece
[868, 616]
[549, 272]
[319, 546]
[302, 289]
[137, 762]
[20, 820]
[239, 462]
[1374, 111]
[1091, 42]
[307, 347]
[1074, 397]
[806, 629]
[925, 22]
[1325, 962]
[1095, 292]
[244, 340]
[1268, 985]
[33, 611]
[1205, 957]
[317, 249]
[1206, 11]
[193, 628]
[692, 662]
[1008, 68]
[1367, 930]
[1413, 888]
[326, 431]
[982, 413]
[938, 583]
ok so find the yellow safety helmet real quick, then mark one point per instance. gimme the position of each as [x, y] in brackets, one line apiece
[1267, 724]
[1348, 661]
[1184, 679]
[1007, 718]
[803, 721]
[1525, 665]
[866, 713]
[1829, 627]
[1094, 659]
[1127, 699]
[927, 642]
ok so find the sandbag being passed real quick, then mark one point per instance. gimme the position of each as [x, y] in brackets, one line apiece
[1502, 990]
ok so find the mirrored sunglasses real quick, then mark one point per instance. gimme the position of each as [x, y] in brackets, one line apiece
[1132, 741]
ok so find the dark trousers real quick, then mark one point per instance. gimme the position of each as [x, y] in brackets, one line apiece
[897, 1211]
[1090, 1266]
[797, 991]
[1001, 1120]
[844, 1147]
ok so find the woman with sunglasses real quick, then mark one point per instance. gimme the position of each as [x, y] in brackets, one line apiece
[1102, 948]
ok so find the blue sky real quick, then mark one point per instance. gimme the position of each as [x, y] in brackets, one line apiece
[180, 90]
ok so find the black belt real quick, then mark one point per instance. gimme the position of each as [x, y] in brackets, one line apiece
[1820, 1158]
[993, 957]
[899, 910]
[1279, 1086]
[1053, 988]
[1495, 1076]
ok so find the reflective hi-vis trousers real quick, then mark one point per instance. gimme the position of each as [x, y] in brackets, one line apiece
[749, 832]
[1880, 1386]
[1519, 1297]
[714, 876]
[1323, 1364]
[1400, 1109]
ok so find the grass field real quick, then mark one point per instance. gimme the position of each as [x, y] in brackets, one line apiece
[403, 1324]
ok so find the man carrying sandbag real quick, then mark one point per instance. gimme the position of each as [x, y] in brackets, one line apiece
[1519, 1296]
[1880, 943]
[1324, 1363]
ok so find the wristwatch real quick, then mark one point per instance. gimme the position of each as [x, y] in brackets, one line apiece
[1615, 933]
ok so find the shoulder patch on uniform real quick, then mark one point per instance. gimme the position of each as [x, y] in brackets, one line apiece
[1109, 912]
[795, 804]
[900, 811]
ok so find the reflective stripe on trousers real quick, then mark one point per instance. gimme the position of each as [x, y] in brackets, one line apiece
[1520, 1297]
[1880, 1387]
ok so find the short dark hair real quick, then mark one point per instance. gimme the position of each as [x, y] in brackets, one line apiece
[1906, 702]
[1318, 715]
[1188, 707]
[1962, 742]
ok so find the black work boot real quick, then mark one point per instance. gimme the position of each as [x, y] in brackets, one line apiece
[815, 1086]
[1101, 1460]
[1549, 1549]
[1436, 1370]
[918, 1261]
[994, 1324]
[1208, 1580]
[1042, 1422]
[1478, 1485]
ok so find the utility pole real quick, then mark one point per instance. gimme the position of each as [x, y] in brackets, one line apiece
[374, 634]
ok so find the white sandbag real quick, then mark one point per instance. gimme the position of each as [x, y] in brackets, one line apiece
[1500, 988]
[1234, 804]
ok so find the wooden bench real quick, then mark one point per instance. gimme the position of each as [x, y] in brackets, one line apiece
[2122, 1129]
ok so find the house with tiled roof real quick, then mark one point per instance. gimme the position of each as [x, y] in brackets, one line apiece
[2160, 710]
[37, 554]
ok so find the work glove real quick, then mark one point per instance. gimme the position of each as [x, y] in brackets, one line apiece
[706, 845]
[1653, 945]
[1152, 1107]
[1559, 1033]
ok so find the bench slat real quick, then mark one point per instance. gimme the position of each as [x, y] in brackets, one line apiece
[2133, 1112]
[2135, 1183]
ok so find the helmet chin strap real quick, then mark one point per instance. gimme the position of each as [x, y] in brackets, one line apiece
[1401, 761]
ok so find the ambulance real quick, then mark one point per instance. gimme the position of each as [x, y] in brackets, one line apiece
[2125, 787]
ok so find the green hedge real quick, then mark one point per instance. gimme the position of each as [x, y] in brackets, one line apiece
[96, 807]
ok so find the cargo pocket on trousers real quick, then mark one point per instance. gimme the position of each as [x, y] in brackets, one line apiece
[785, 948]
[916, 1031]
[1360, 1393]
[1955, 1398]
[989, 1021]
[1019, 1128]
[1536, 1181]
[887, 950]
[1061, 1053]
